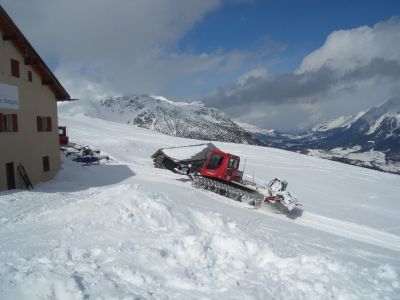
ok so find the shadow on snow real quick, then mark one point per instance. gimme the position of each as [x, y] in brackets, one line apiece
[85, 177]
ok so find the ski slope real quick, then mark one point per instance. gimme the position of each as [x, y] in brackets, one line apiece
[125, 230]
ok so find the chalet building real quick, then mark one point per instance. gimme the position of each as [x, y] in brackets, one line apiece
[29, 92]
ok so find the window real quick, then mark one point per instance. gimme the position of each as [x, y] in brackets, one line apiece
[8, 123]
[215, 162]
[43, 123]
[30, 76]
[233, 163]
[46, 164]
[14, 67]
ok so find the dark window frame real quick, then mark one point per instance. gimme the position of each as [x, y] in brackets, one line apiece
[46, 163]
[8, 123]
[44, 124]
[15, 70]
[233, 163]
[215, 162]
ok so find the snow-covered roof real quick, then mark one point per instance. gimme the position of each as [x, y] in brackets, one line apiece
[198, 151]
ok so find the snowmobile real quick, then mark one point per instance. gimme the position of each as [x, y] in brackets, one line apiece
[87, 156]
[219, 172]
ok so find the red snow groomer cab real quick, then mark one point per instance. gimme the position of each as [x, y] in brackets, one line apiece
[223, 166]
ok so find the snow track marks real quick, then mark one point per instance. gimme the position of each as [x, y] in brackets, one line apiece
[344, 229]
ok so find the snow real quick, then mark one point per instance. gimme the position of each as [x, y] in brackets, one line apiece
[390, 108]
[184, 153]
[178, 103]
[125, 230]
[377, 123]
[343, 121]
[157, 113]
[254, 128]
[370, 158]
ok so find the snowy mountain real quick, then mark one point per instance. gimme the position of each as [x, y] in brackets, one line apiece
[377, 129]
[342, 122]
[272, 137]
[370, 139]
[191, 120]
[126, 230]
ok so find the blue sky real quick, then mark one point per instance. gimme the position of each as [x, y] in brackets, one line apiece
[297, 26]
[299, 22]
[275, 64]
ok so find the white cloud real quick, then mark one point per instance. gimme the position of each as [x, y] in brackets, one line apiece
[257, 73]
[354, 70]
[346, 50]
[124, 45]
[127, 46]
[94, 28]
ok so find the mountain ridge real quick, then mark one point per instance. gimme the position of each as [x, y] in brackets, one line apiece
[183, 119]
[369, 139]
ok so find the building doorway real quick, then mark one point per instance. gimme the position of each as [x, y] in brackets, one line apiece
[10, 176]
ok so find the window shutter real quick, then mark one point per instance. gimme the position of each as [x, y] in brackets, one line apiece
[14, 67]
[15, 122]
[39, 124]
[30, 76]
[49, 128]
[1, 122]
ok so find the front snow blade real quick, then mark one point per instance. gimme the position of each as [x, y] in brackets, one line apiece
[288, 200]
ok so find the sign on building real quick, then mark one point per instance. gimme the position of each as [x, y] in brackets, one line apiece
[9, 96]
